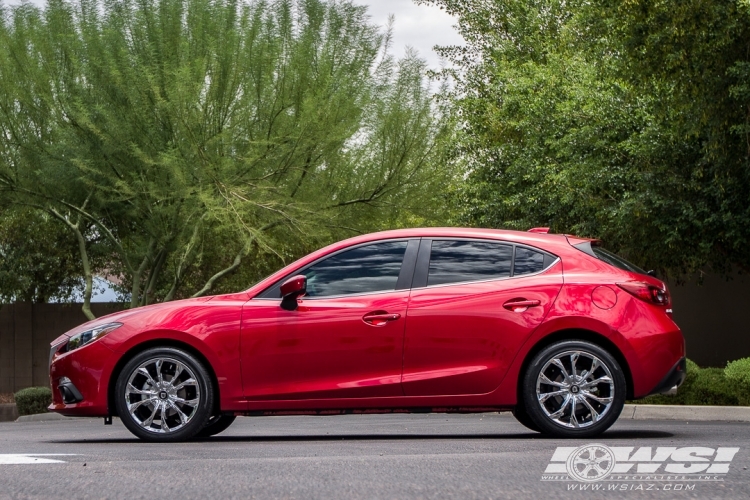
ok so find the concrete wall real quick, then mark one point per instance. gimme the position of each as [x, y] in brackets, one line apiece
[714, 317]
[26, 331]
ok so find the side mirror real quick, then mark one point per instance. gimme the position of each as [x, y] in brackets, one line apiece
[292, 288]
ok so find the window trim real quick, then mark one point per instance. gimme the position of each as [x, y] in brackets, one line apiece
[421, 273]
[405, 276]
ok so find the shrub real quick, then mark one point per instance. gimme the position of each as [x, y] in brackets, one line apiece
[702, 386]
[33, 400]
[738, 373]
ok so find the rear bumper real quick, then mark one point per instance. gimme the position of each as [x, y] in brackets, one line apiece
[673, 379]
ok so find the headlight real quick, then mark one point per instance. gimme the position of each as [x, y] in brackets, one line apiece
[83, 338]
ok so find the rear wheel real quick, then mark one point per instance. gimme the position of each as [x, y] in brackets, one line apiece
[523, 418]
[216, 425]
[573, 389]
[164, 394]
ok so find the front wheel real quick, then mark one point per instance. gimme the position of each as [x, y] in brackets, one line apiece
[164, 394]
[573, 389]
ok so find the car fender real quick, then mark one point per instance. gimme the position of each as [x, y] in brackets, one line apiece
[508, 390]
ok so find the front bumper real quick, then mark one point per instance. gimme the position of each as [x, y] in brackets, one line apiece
[673, 379]
[80, 380]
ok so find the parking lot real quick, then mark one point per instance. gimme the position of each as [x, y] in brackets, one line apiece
[358, 456]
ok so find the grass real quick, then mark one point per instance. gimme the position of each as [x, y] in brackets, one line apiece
[6, 398]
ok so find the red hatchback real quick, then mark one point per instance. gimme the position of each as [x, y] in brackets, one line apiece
[553, 327]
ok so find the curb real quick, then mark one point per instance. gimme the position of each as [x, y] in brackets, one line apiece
[41, 417]
[8, 412]
[686, 413]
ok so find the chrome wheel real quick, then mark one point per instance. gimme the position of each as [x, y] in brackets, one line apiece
[575, 389]
[162, 395]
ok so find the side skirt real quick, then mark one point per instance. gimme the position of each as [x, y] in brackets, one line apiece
[373, 411]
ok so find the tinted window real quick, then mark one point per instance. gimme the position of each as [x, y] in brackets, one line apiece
[527, 261]
[458, 261]
[615, 260]
[370, 268]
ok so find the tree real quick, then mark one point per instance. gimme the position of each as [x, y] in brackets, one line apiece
[624, 121]
[198, 138]
[38, 259]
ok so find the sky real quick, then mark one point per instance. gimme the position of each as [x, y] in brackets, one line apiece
[419, 26]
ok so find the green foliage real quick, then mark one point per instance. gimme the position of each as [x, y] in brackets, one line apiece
[738, 373]
[33, 400]
[625, 121]
[199, 144]
[708, 386]
[38, 258]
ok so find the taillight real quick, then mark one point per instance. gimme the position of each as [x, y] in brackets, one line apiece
[649, 293]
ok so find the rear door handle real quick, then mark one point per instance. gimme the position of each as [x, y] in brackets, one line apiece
[520, 304]
[380, 318]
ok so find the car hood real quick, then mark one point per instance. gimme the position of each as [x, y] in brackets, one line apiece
[122, 316]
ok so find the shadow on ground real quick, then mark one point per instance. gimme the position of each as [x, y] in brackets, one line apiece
[609, 436]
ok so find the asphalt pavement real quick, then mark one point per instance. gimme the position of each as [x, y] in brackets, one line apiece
[373, 456]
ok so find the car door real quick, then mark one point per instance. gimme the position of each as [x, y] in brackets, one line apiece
[344, 340]
[473, 304]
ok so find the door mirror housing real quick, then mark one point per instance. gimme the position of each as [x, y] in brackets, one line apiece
[291, 289]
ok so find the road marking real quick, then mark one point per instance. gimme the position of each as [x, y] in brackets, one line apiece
[31, 458]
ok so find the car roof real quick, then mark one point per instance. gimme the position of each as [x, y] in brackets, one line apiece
[458, 232]
[553, 243]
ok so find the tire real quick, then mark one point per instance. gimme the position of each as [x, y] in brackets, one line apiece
[216, 425]
[523, 418]
[582, 402]
[164, 394]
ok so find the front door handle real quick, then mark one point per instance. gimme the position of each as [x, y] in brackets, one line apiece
[520, 305]
[379, 318]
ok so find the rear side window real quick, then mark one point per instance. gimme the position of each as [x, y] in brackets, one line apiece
[527, 261]
[460, 261]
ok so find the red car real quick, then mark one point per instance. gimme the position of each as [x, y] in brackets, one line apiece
[552, 327]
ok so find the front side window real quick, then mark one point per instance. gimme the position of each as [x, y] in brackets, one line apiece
[460, 261]
[364, 269]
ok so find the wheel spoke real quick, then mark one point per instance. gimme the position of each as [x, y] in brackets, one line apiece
[573, 360]
[544, 397]
[177, 373]
[573, 418]
[138, 404]
[594, 413]
[190, 402]
[187, 382]
[147, 423]
[562, 368]
[143, 371]
[600, 380]
[183, 417]
[164, 426]
[159, 364]
[133, 390]
[564, 405]
[604, 401]
[543, 378]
